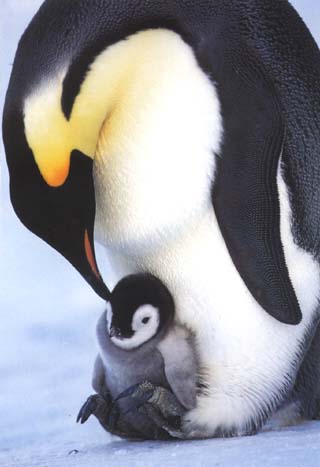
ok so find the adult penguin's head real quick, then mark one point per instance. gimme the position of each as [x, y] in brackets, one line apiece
[50, 137]
[56, 104]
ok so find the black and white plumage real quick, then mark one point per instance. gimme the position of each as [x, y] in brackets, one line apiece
[138, 342]
[193, 128]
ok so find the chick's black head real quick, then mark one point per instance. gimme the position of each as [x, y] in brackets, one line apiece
[133, 292]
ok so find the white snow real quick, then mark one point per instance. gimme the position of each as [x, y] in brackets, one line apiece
[47, 347]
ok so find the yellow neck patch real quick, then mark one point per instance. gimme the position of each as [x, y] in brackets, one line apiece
[101, 106]
[52, 137]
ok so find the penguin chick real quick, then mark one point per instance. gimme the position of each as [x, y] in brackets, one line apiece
[142, 348]
[139, 340]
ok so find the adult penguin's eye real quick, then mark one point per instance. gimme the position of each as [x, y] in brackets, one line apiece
[145, 320]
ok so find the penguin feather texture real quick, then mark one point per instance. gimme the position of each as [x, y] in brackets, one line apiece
[185, 136]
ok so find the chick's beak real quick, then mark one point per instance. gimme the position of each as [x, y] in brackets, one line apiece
[115, 332]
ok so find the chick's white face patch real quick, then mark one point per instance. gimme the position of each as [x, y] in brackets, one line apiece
[146, 319]
[145, 324]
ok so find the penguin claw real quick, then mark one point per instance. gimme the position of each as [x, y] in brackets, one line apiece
[108, 415]
[87, 409]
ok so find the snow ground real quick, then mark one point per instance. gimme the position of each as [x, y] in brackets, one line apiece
[48, 317]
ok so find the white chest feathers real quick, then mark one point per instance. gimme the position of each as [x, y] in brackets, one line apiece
[155, 156]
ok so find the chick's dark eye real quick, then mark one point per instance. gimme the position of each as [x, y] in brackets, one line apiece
[145, 320]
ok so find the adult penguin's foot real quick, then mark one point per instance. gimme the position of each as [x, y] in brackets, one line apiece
[159, 404]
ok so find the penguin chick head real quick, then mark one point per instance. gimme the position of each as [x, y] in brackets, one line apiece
[139, 308]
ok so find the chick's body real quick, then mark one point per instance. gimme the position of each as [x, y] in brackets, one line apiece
[124, 368]
[139, 341]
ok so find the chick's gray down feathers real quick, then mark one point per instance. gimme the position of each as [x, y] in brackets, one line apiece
[168, 360]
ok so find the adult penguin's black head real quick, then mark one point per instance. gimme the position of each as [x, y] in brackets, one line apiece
[54, 110]
[55, 107]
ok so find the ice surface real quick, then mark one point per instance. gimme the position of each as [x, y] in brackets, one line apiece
[47, 322]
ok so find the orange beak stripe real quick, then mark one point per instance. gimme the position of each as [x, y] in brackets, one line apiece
[89, 255]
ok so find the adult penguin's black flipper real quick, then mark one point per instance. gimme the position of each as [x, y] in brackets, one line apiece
[245, 194]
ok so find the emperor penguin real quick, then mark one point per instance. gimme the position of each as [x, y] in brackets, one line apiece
[144, 358]
[185, 135]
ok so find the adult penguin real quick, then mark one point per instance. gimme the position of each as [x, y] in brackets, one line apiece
[193, 127]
